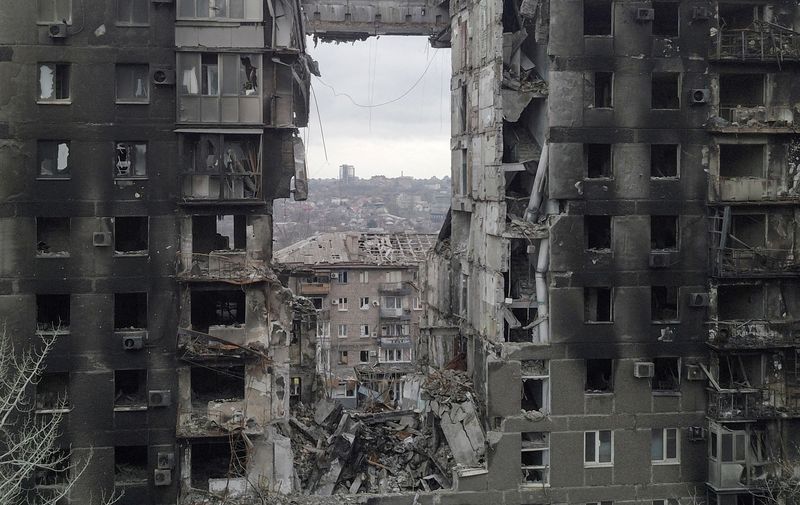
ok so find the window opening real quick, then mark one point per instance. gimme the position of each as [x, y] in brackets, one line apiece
[535, 457]
[133, 83]
[663, 160]
[665, 19]
[664, 445]
[363, 302]
[130, 464]
[741, 302]
[598, 232]
[217, 308]
[130, 160]
[734, 16]
[667, 374]
[598, 305]
[363, 356]
[219, 233]
[603, 90]
[598, 161]
[597, 17]
[55, 11]
[130, 388]
[217, 383]
[53, 159]
[748, 231]
[131, 235]
[599, 376]
[133, 12]
[342, 357]
[52, 391]
[664, 233]
[664, 303]
[598, 447]
[665, 90]
[54, 82]
[130, 311]
[52, 313]
[218, 460]
[52, 236]
[55, 470]
[741, 160]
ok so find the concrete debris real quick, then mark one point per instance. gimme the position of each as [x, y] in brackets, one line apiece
[448, 386]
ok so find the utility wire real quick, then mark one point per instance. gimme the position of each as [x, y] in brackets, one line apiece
[319, 119]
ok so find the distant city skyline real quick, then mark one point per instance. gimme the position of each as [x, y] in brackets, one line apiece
[408, 137]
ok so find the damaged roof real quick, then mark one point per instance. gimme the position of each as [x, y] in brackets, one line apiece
[356, 248]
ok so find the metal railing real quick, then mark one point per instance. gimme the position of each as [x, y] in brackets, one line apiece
[762, 43]
[234, 267]
[753, 334]
[751, 404]
[738, 262]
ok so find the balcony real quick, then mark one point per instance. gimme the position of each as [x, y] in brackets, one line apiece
[395, 313]
[315, 288]
[752, 404]
[226, 266]
[763, 42]
[750, 189]
[753, 334]
[397, 342]
[394, 288]
[730, 262]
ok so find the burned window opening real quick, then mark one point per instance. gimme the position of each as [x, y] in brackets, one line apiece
[218, 460]
[599, 376]
[52, 312]
[667, 374]
[664, 233]
[740, 302]
[52, 391]
[130, 311]
[131, 235]
[534, 394]
[523, 329]
[512, 21]
[598, 305]
[663, 160]
[597, 17]
[598, 161]
[217, 308]
[53, 159]
[217, 383]
[55, 470]
[535, 457]
[54, 82]
[733, 16]
[746, 90]
[666, 19]
[130, 388]
[130, 160]
[665, 90]
[130, 464]
[604, 90]
[598, 232]
[52, 236]
[741, 160]
[664, 303]
[221, 167]
[748, 231]
[219, 233]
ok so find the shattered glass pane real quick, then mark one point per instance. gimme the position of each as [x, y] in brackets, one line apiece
[46, 81]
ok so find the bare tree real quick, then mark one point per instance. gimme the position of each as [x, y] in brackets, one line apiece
[779, 483]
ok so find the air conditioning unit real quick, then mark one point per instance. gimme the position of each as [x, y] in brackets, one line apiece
[699, 299]
[374, 334]
[696, 433]
[334, 275]
[132, 342]
[701, 13]
[694, 373]
[376, 303]
[645, 14]
[162, 76]
[373, 353]
[660, 259]
[159, 398]
[57, 31]
[334, 302]
[643, 369]
[699, 96]
[162, 477]
[101, 239]
[165, 460]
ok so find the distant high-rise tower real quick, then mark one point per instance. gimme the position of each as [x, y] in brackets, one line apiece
[347, 172]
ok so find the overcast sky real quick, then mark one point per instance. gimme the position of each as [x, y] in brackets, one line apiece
[410, 136]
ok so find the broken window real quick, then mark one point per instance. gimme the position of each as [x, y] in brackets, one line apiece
[535, 457]
[53, 159]
[663, 160]
[741, 160]
[363, 302]
[52, 313]
[224, 460]
[664, 443]
[597, 16]
[133, 83]
[740, 302]
[216, 383]
[395, 355]
[130, 235]
[363, 330]
[748, 231]
[598, 161]
[130, 388]
[217, 308]
[218, 9]
[52, 391]
[663, 233]
[226, 167]
[52, 236]
[341, 277]
[316, 301]
[535, 388]
[665, 19]
[664, 303]
[598, 448]
[219, 233]
[733, 447]
[323, 328]
[599, 376]
[736, 16]
[665, 90]
[746, 90]
[598, 232]
[130, 311]
[54, 82]
[130, 160]
[342, 357]
[213, 75]
[54, 470]
[667, 374]
[295, 386]
[603, 89]
[598, 305]
[55, 11]
[363, 356]
[520, 325]
[343, 330]
[133, 12]
[130, 464]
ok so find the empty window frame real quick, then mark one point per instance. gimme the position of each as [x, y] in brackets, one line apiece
[214, 383]
[664, 303]
[295, 386]
[598, 305]
[342, 357]
[52, 391]
[746, 90]
[665, 90]
[748, 231]
[130, 311]
[133, 12]
[133, 83]
[535, 394]
[217, 308]
[666, 19]
[597, 17]
[130, 464]
[54, 82]
[341, 304]
[363, 303]
[664, 233]
[131, 235]
[218, 460]
[666, 375]
[603, 90]
[663, 160]
[53, 159]
[598, 232]
[363, 356]
[396, 355]
[736, 16]
[130, 389]
[665, 446]
[221, 10]
[130, 159]
[219, 233]
[213, 75]
[740, 302]
[416, 303]
[52, 313]
[343, 330]
[341, 277]
[599, 375]
[599, 161]
[598, 448]
[55, 11]
[54, 472]
[741, 160]
[363, 330]
[535, 458]
[52, 236]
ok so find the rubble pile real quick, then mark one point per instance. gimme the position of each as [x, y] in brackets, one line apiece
[448, 386]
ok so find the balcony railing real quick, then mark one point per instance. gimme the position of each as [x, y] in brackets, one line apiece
[395, 313]
[749, 404]
[753, 334]
[315, 288]
[400, 288]
[741, 262]
[750, 189]
[764, 42]
[397, 342]
[198, 187]
[235, 267]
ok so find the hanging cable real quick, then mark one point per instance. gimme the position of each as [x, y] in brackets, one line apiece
[319, 119]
